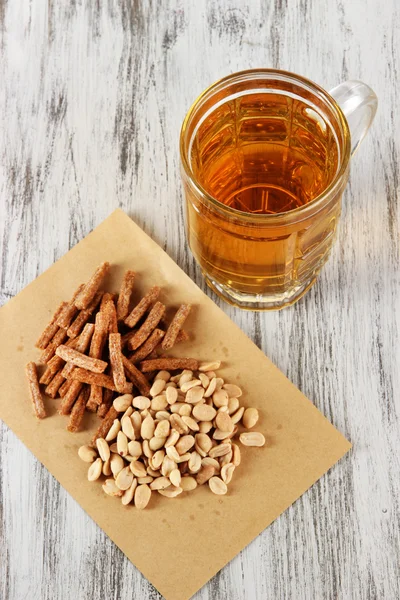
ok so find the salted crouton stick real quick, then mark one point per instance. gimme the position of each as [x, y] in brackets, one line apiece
[106, 297]
[169, 364]
[111, 315]
[81, 346]
[105, 425]
[182, 336]
[147, 348]
[78, 410]
[95, 398]
[51, 348]
[108, 396]
[50, 329]
[175, 326]
[81, 360]
[36, 396]
[153, 319]
[77, 325]
[64, 388]
[137, 313]
[117, 365]
[137, 378]
[47, 375]
[68, 401]
[84, 316]
[89, 291]
[106, 381]
[69, 311]
[96, 350]
[99, 336]
[54, 385]
[125, 293]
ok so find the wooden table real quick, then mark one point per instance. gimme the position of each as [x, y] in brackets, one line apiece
[92, 95]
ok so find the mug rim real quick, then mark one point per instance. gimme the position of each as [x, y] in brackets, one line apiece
[314, 204]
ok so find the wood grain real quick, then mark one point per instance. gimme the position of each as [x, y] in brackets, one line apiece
[92, 96]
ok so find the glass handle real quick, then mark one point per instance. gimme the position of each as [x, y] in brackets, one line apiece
[358, 103]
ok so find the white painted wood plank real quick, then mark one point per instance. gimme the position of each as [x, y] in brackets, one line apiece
[92, 96]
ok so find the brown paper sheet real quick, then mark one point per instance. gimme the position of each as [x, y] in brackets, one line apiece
[199, 531]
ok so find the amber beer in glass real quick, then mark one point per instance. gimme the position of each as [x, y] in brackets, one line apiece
[265, 159]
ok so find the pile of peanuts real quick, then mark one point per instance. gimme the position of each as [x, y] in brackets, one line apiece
[178, 437]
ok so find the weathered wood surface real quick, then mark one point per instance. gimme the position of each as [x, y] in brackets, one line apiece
[92, 95]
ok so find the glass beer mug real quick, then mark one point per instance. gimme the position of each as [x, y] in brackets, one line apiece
[265, 158]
